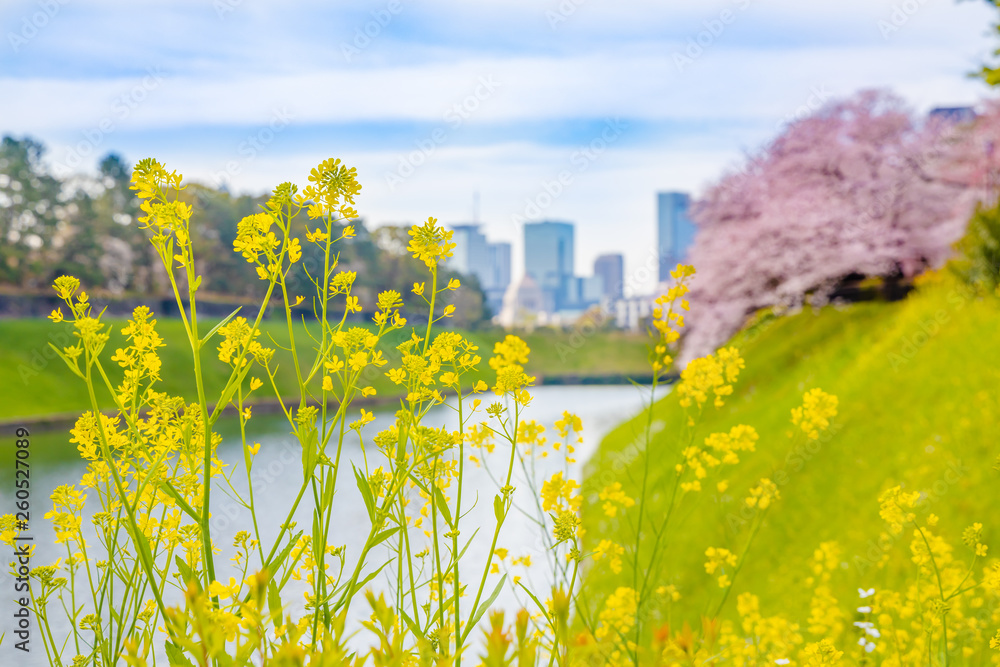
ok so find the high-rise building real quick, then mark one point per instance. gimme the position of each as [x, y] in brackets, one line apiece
[471, 254]
[675, 230]
[587, 291]
[488, 262]
[499, 275]
[499, 264]
[610, 269]
[548, 259]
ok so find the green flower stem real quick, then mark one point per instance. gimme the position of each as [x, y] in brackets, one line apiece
[454, 529]
[512, 437]
[123, 497]
[754, 529]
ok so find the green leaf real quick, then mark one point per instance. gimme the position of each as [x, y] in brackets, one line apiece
[142, 544]
[443, 505]
[468, 544]
[245, 654]
[540, 606]
[484, 606]
[366, 493]
[74, 367]
[275, 564]
[328, 495]
[384, 535]
[345, 591]
[411, 624]
[219, 325]
[274, 602]
[176, 656]
[498, 508]
[187, 574]
[361, 584]
[309, 438]
[169, 489]
[228, 392]
[317, 544]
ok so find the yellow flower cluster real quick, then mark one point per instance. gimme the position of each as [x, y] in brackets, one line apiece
[561, 498]
[718, 560]
[667, 321]
[332, 186]
[239, 344]
[560, 493]
[826, 619]
[508, 357]
[151, 182]
[139, 359]
[613, 552]
[92, 334]
[972, 537]
[719, 449]
[762, 495]
[529, 432]
[447, 359]
[897, 507]
[430, 243]
[66, 513]
[569, 422]
[614, 496]
[815, 413]
[822, 653]
[255, 237]
[8, 529]
[618, 615]
[763, 640]
[712, 374]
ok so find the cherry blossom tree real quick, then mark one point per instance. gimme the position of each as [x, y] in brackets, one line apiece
[860, 188]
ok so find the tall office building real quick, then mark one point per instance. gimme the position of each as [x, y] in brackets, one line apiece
[548, 259]
[499, 275]
[488, 262]
[610, 269]
[499, 265]
[471, 253]
[675, 230]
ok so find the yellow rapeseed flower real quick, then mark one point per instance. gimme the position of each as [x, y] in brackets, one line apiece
[430, 243]
[815, 413]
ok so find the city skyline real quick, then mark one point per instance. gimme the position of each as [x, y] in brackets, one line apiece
[552, 262]
[578, 117]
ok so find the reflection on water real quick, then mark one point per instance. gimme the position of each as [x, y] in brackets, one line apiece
[277, 477]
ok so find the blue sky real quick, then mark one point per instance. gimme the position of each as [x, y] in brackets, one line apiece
[569, 109]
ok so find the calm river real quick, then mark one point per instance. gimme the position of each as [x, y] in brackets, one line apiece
[277, 477]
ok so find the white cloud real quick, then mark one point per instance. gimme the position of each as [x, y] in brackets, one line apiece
[607, 59]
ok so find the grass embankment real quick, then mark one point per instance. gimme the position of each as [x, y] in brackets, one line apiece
[918, 387]
[37, 383]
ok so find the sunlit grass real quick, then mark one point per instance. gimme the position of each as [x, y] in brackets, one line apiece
[918, 387]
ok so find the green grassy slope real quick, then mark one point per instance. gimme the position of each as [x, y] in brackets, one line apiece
[918, 386]
[36, 382]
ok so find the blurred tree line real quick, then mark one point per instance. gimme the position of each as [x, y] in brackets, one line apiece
[87, 227]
